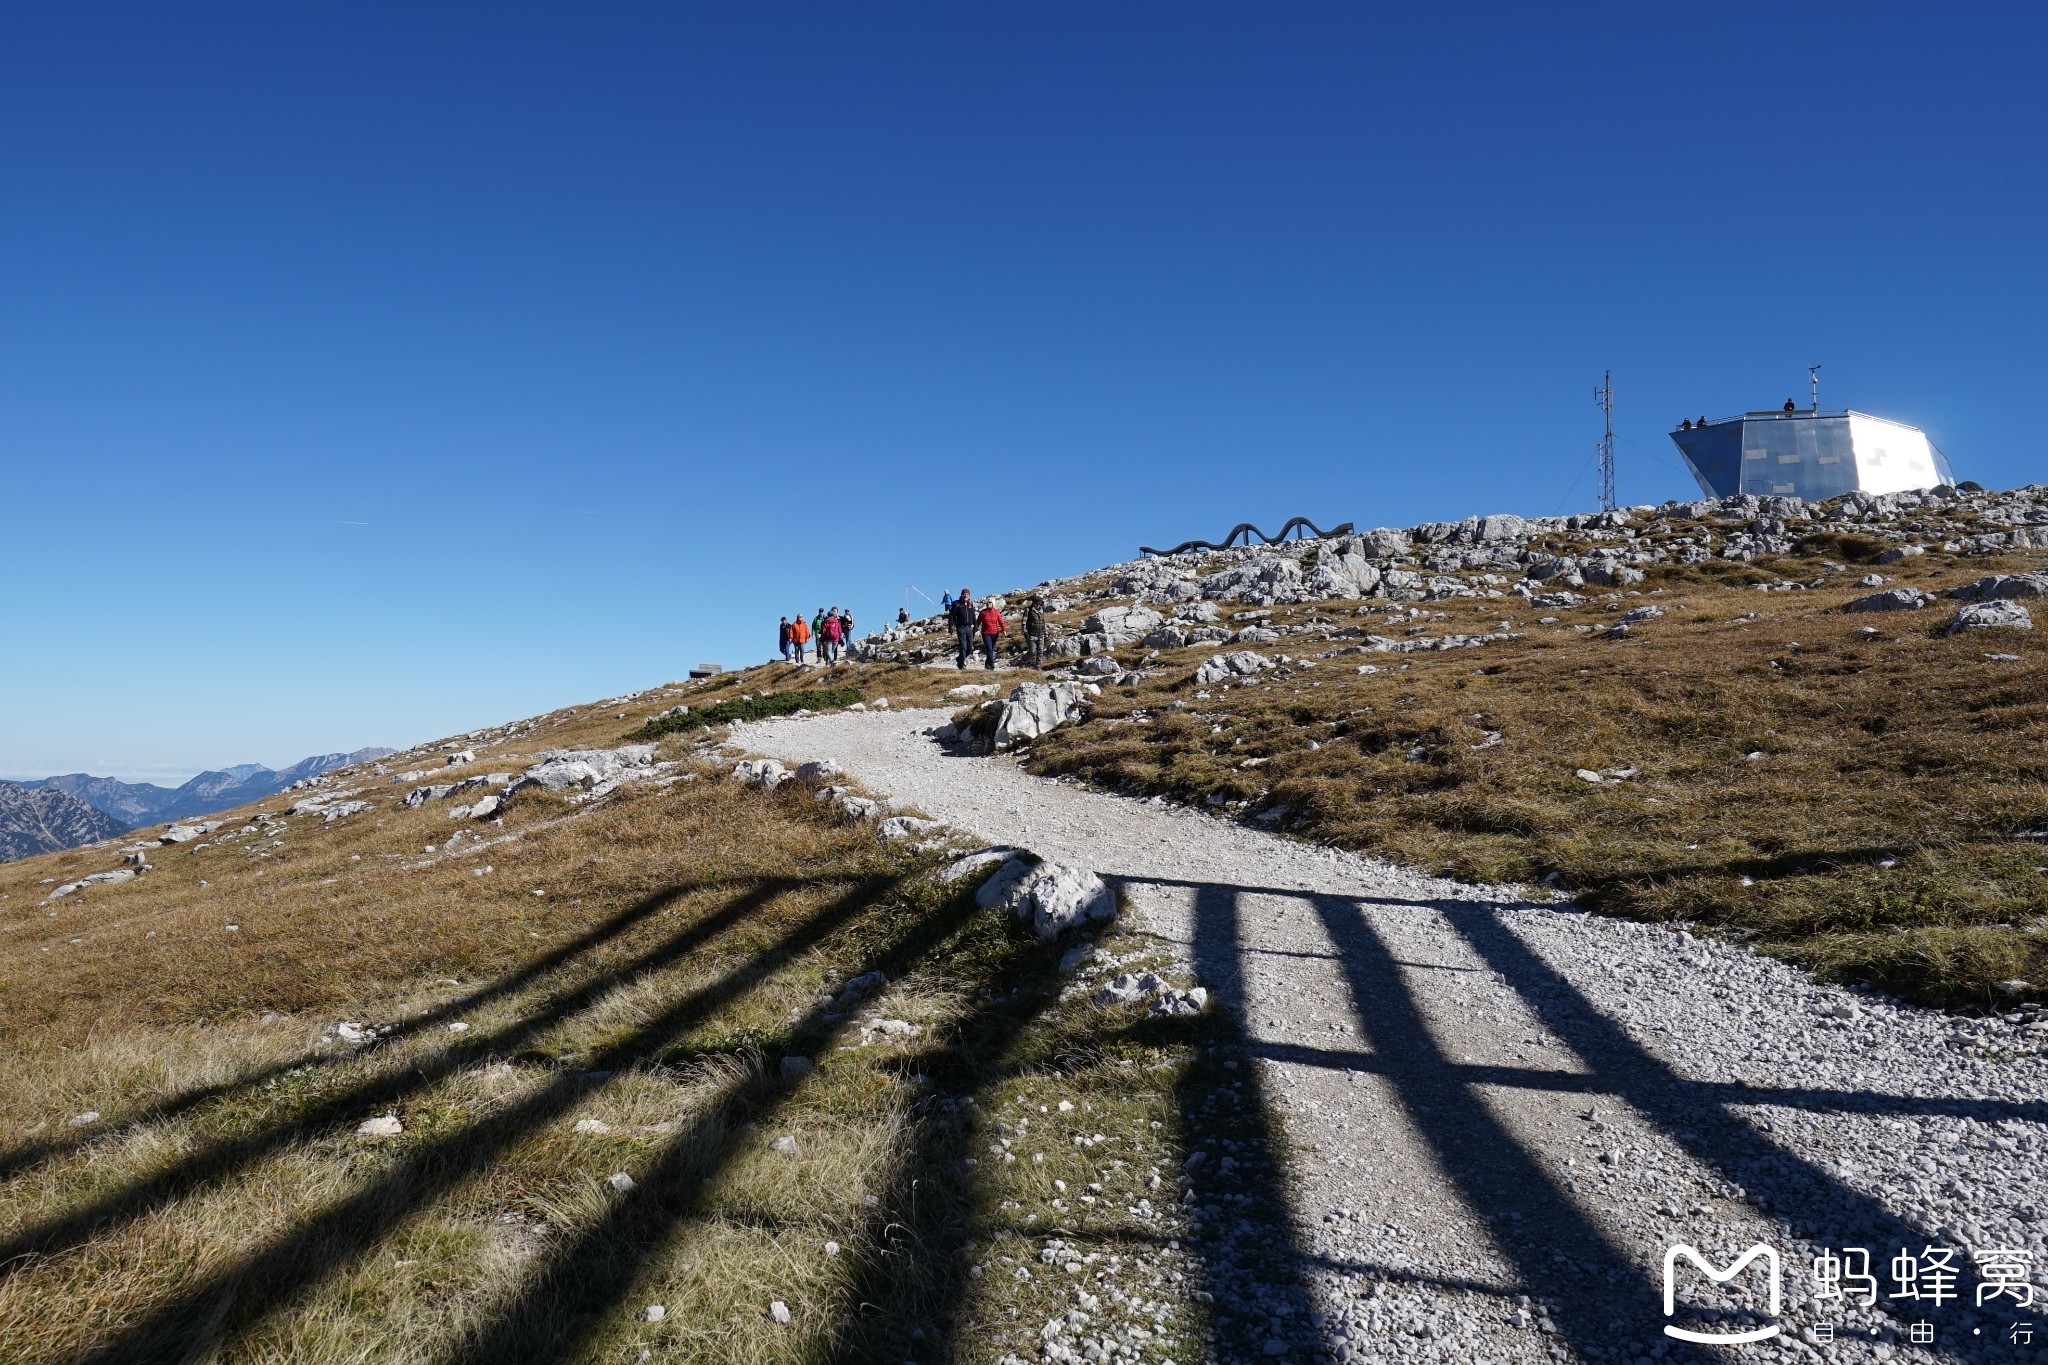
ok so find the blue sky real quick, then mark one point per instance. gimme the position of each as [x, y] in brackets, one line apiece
[374, 372]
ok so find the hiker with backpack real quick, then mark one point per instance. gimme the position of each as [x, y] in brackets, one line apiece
[961, 616]
[1034, 631]
[829, 639]
[991, 622]
[799, 634]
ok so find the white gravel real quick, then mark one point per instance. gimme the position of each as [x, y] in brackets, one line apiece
[1500, 1113]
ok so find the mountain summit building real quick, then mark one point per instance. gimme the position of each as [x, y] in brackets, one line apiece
[1808, 454]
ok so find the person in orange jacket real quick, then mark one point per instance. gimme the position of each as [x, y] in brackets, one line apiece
[799, 635]
[991, 626]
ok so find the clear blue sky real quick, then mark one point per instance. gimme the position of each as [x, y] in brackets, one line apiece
[374, 371]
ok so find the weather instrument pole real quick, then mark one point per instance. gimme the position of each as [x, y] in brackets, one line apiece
[1604, 396]
[1813, 373]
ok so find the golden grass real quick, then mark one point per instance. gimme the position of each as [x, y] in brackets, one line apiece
[224, 1207]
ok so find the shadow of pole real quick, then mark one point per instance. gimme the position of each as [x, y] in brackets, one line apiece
[30, 1154]
[558, 1311]
[1697, 1116]
[1247, 1246]
[222, 1160]
[231, 1299]
[1561, 1255]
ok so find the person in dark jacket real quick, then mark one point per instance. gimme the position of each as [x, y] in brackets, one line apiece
[903, 616]
[961, 617]
[1034, 631]
[991, 622]
[783, 639]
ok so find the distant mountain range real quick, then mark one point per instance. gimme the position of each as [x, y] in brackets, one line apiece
[33, 814]
[40, 819]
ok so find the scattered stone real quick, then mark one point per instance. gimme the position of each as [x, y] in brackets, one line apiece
[621, 1182]
[384, 1125]
[1050, 897]
[818, 770]
[908, 827]
[653, 1312]
[795, 1068]
[85, 1120]
[592, 1127]
[779, 1311]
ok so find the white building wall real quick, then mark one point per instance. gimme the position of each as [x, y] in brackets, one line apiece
[1890, 456]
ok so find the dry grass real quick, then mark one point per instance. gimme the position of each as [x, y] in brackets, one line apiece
[223, 1206]
[1850, 803]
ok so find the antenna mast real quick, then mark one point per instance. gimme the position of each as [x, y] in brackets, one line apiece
[1604, 398]
[1813, 373]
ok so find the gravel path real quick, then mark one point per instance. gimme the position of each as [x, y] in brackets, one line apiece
[1499, 1114]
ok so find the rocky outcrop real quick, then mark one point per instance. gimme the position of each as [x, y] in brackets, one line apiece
[1996, 614]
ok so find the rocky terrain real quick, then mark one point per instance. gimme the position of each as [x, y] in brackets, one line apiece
[40, 819]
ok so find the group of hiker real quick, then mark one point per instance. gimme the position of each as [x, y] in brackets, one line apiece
[986, 620]
[827, 632]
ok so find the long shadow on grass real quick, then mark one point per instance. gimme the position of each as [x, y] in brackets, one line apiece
[29, 1154]
[210, 1311]
[581, 1287]
[224, 1159]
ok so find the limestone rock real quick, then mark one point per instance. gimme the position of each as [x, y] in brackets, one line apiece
[1891, 599]
[908, 827]
[821, 770]
[1995, 614]
[1051, 897]
[1131, 621]
[1036, 708]
[764, 773]
[1240, 664]
[2004, 586]
[385, 1125]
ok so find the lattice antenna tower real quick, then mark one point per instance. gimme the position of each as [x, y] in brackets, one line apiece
[1604, 397]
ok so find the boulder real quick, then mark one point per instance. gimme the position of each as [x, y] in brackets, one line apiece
[1036, 708]
[1899, 552]
[1891, 599]
[1098, 665]
[969, 691]
[1635, 616]
[1131, 621]
[1996, 614]
[1343, 569]
[908, 827]
[457, 760]
[1385, 544]
[2003, 587]
[419, 796]
[764, 773]
[1197, 612]
[1239, 664]
[981, 859]
[1166, 637]
[489, 806]
[1053, 898]
[818, 770]
[998, 890]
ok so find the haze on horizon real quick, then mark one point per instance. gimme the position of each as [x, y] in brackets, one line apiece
[375, 375]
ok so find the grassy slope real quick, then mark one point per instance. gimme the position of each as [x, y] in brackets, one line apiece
[1871, 839]
[682, 944]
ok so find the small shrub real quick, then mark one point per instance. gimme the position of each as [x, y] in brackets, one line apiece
[748, 708]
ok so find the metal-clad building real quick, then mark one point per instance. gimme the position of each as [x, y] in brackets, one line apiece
[1810, 455]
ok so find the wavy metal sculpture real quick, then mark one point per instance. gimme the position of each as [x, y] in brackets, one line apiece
[1247, 530]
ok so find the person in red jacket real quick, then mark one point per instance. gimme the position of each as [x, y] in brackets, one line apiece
[991, 626]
